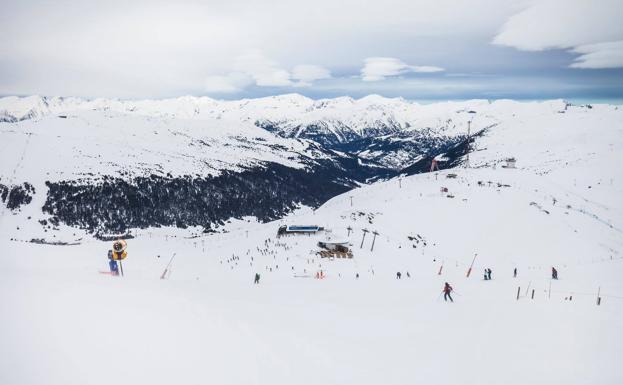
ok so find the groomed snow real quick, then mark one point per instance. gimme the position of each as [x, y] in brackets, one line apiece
[65, 323]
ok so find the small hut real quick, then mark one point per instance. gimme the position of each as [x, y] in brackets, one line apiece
[340, 245]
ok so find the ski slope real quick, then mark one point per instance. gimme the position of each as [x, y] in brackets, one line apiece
[65, 323]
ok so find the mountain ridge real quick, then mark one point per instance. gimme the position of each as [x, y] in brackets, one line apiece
[61, 161]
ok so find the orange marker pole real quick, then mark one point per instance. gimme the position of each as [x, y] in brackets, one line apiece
[472, 265]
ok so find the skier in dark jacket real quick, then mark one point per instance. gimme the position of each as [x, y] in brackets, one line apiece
[447, 289]
[398, 275]
[489, 274]
[257, 279]
[515, 273]
[554, 273]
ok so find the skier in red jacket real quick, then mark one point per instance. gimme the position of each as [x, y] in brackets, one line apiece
[447, 289]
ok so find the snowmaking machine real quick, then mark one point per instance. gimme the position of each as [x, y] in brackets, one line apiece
[118, 250]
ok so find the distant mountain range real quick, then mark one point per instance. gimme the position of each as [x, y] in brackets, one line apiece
[111, 165]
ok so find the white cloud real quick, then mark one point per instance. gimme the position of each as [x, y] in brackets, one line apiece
[426, 69]
[265, 72]
[379, 68]
[254, 68]
[227, 84]
[158, 48]
[308, 73]
[600, 55]
[592, 29]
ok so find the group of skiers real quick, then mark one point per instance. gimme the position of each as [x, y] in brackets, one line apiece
[447, 289]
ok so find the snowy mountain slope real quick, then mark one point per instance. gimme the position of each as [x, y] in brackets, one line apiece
[198, 162]
[167, 167]
[207, 320]
[344, 117]
[562, 204]
[401, 149]
[330, 122]
[91, 142]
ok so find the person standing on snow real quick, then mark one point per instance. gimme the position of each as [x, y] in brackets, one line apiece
[447, 289]
[114, 269]
[489, 274]
[257, 279]
[515, 273]
[554, 273]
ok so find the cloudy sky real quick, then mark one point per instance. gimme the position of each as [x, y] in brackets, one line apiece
[417, 49]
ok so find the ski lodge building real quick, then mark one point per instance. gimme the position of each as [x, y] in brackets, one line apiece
[340, 245]
[299, 229]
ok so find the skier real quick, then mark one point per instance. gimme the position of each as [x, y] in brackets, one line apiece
[257, 278]
[447, 289]
[554, 273]
[398, 275]
[486, 276]
[408, 275]
[114, 269]
[489, 274]
[515, 273]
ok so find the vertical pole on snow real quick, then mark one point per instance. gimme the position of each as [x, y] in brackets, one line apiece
[166, 269]
[365, 231]
[373, 239]
[469, 271]
[598, 297]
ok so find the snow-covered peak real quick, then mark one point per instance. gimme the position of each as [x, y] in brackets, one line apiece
[292, 107]
[336, 120]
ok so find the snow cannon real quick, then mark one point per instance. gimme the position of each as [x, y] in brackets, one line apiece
[118, 248]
